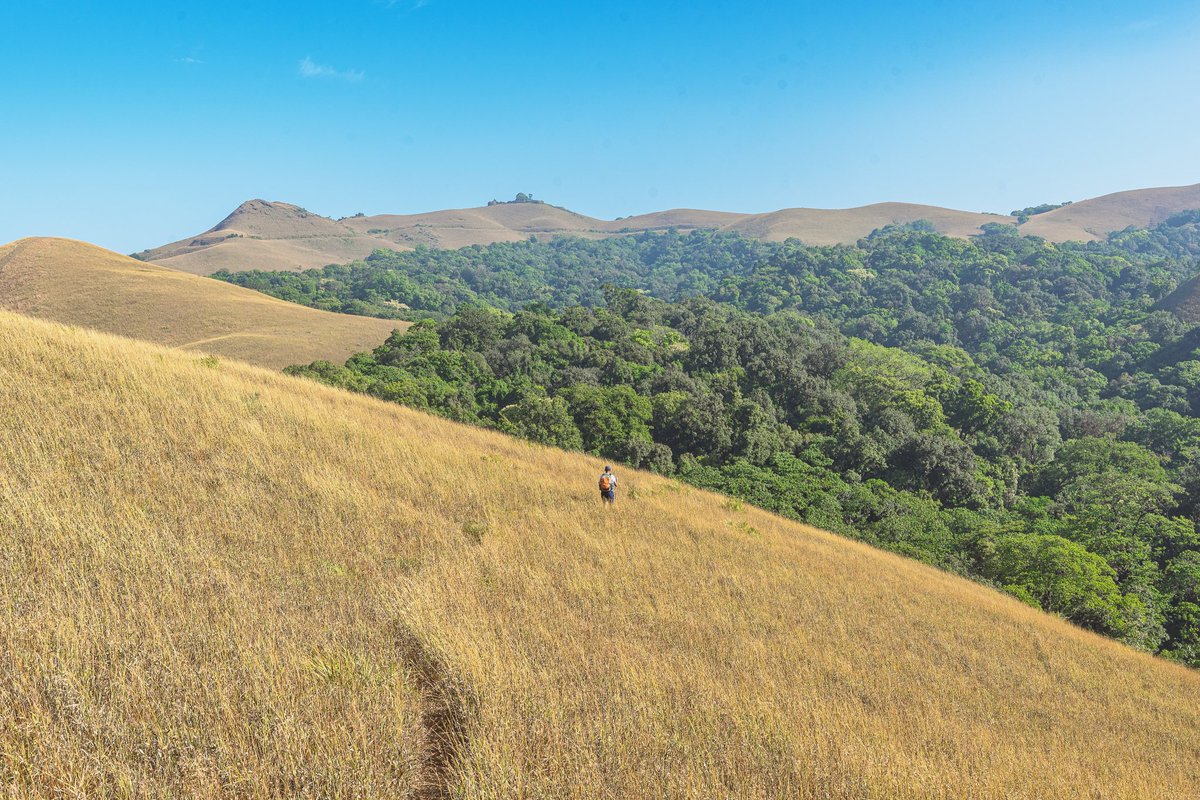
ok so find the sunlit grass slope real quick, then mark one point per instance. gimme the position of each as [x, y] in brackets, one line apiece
[224, 582]
[81, 284]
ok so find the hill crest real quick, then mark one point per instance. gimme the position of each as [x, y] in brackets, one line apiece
[277, 220]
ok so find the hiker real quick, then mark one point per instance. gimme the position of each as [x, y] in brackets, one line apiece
[608, 485]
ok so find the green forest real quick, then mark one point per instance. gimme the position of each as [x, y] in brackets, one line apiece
[1023, 413]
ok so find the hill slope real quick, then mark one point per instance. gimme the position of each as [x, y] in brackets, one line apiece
[1088, 220]
[231, 582]
[845, 226]
[506, 222]
[81, 284]
[270, 236]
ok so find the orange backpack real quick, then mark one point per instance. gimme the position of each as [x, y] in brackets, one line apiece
[605, 483]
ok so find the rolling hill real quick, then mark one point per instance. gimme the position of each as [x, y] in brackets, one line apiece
[845, 226]
[81, 284]
[228, 582]
[279, 236]
[276, 236]
[1088, 220]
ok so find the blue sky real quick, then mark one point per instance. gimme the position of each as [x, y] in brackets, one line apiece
[132, 124]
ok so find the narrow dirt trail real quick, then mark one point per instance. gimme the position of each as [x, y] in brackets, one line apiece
[223, 337]
[7, 257]
[443, 717]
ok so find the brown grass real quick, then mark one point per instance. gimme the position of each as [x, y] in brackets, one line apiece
[223, 582]
[848, 225]
[81, 284]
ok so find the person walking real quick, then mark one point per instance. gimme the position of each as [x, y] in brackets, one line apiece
[608, 485]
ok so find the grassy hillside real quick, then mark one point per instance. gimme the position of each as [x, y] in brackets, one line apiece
[847, 225]
[279, 236]
[220, 581]
[1093, 219]
[81, 284]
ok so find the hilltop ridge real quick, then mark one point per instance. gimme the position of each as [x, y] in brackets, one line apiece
[280, 236]
[283, 220]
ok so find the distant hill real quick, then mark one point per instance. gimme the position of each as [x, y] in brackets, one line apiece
[81, 284]
[231, 582]
[505, 222]
[271, 236]
[1088, 220]
[279, 236]
[845, 226]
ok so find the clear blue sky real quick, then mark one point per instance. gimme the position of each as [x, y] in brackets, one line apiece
[130, 124]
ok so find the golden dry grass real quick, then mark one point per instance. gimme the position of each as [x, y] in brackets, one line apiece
[81, 284]
[223, 582]
[239, 253]
[279, 236]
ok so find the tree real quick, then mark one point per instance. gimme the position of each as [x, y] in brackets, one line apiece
[609, 417]
[692, 423]
[326, 372]
[542, 419]
[1063, 577]
[1182, 576]
[1123, 476]
[941, 465]
[1183, 624]
[472, 328]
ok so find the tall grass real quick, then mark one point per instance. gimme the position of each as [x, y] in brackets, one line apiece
[216, 581]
